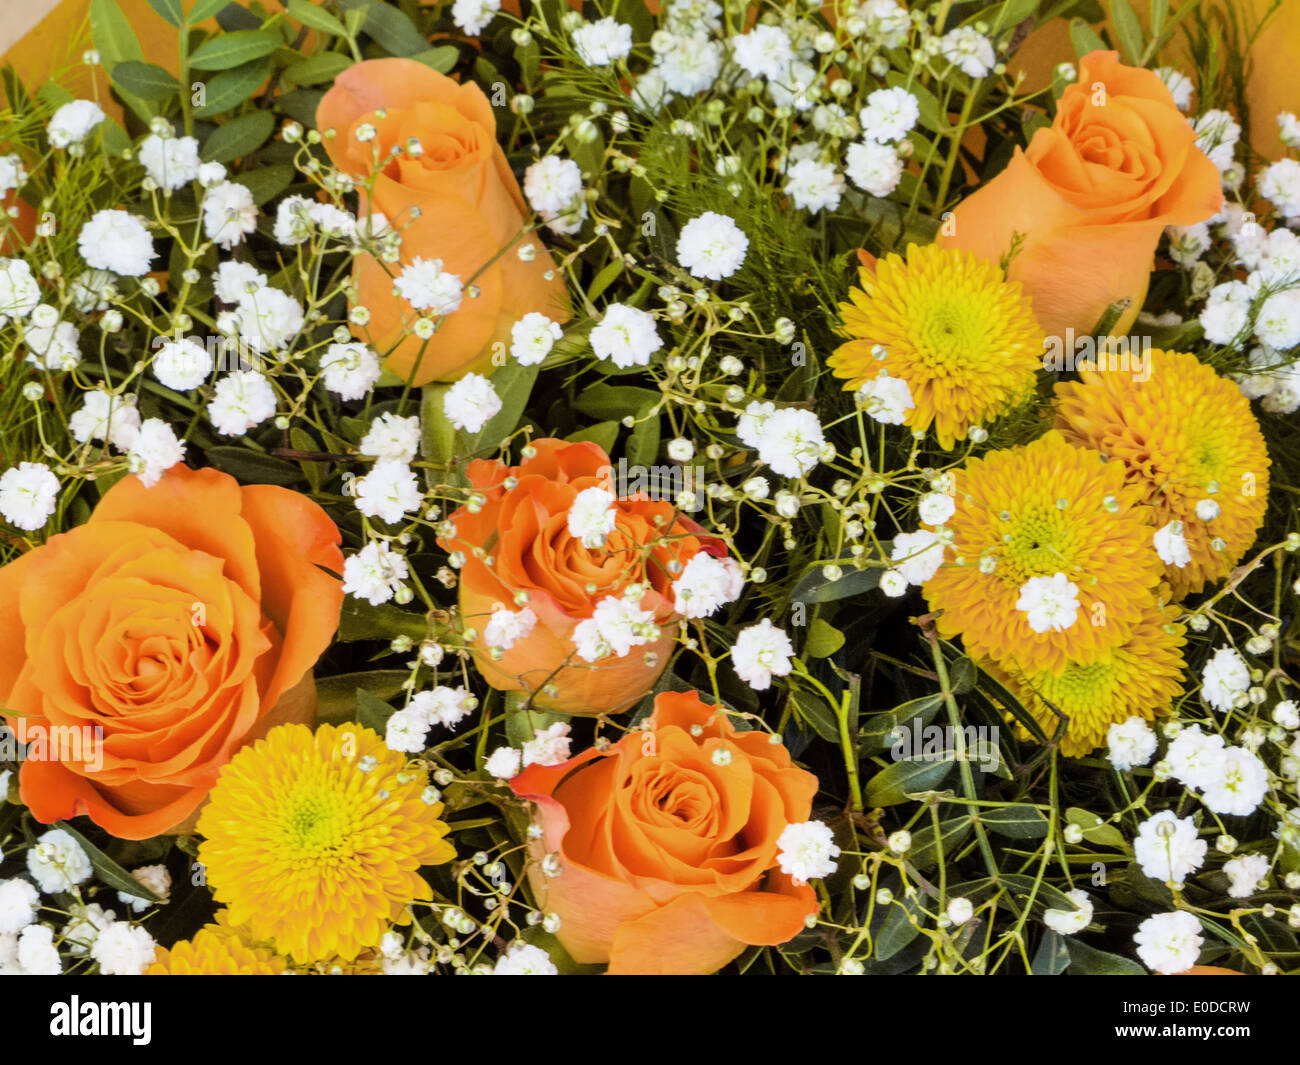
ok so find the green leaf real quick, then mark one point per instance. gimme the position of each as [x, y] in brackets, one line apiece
[147, 81]
[1159, 12]
[928, 846]
[1095, 830]
[252, 467]
[1052, 956]
[324, 66]
[392, 30]
[336, 697]
[171, 10]
[238, 137]
[614, 401]
[108, 870]
[234, 49]
[1128, 29]
[961, 675]
[1089, 961]
[1017, 822]
[605, 278]
[814, 587]
[204, 10]
[302, 440]
[603, 434]
[899, 782]
[1013, 12]
[441, 59]
[817, 714]
[228, 89]
[522, 725]
[1084, 38]
[899, 928]
[358, 620]
[824, 639]
[318, 19]
[878, 732]
[266, 182]
[372, 711]
[116, 43]
[643, 443]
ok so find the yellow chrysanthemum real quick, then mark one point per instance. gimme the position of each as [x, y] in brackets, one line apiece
[1140, 678]
[1185, 435]
[963, 338]
[1036, 511]
[315, 841]
[216, 950]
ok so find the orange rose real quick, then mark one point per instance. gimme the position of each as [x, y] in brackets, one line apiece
[471, 213]
[519, 542]
[1091, 196]
[669, 848]
[179, 623]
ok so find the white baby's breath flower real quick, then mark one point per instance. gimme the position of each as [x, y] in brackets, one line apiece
[1169, 942]
[57, 862]
[426, 286]
[182, 365]
[760, 653]
[706, 584]
[471, 403]
[374, 573]
[1068, 922]
[154, 449]
[118, 242]
[807, 851]
[391, 436]
[602, 42]
[592, 516]
[170, 161]
[29, 494]
[1225, 676]
[1167, 847]
[532, 337]
[626, 335]
[243, 399]
[389, 491]
[349, 370]
[1049, 603]
[473, 16]
[712, 246]
[507, 627]
[552, 183]
[1131, 743]
[814, 185]
[229, 213]
[72, 123]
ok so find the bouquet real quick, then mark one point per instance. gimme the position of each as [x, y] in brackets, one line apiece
[517, 487]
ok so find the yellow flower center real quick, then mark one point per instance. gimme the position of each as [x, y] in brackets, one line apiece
[1037, 542]
[316, 820]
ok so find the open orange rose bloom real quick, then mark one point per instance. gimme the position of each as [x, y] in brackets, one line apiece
[669, 843]
[182, 620]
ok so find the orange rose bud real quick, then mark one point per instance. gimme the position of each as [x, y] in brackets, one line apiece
[1090, 197]
[456, 201]
[519, 553]
[667, 843]
[145, 647]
